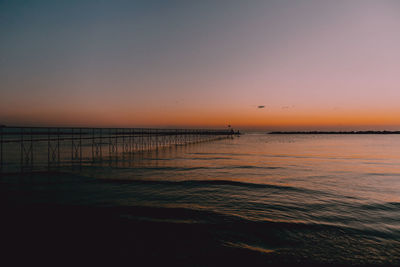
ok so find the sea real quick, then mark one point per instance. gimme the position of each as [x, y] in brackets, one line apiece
[254, 200]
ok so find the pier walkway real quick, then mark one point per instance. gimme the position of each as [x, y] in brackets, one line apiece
[27, 149]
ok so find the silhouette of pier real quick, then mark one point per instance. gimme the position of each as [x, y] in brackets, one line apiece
[28, 149]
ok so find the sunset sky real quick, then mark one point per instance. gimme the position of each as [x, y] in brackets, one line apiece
[312, 64]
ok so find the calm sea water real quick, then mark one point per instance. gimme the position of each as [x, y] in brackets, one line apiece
[258, 198]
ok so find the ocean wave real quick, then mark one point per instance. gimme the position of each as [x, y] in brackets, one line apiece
[139, 168]
[248, 247]
[195, 168]
[208, 182]
[186, 214]
[219, 153]
[387, 206]
[382, 174]
[210, 158]
[157, 227]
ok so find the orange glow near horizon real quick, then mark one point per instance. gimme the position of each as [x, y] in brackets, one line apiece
[247, 119]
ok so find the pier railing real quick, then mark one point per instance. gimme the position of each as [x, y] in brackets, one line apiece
[26, 149]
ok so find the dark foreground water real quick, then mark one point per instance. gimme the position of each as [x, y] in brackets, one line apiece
[257, 200]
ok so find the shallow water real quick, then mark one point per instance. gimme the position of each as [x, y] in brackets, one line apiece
[293, 199]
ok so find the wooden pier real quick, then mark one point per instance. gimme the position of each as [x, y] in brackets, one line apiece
[27, 149]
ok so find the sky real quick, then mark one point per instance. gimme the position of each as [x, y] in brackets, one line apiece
[273, 65]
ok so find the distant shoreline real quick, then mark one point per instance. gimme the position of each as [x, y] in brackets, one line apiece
[338, 132]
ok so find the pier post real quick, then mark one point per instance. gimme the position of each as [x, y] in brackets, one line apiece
[131, 140]
[58, 147]
[142, 140]
[148, 140]
[48, 148]
[22, 149]
[156, 139]
[26, 148]
[96, 145]
[53, 148]
[1, 149]
[99, 144]
[80, 147]
[72, 146]
[31, 149]
[93, 145]
[116, 144]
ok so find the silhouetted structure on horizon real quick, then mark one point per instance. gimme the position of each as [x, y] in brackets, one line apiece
[336, 132]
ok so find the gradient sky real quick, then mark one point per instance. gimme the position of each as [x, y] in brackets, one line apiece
[313, 64]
